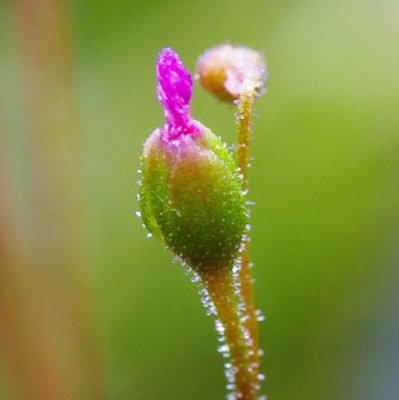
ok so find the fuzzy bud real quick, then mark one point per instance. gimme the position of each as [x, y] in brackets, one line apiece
[226, 71]
[190, 195]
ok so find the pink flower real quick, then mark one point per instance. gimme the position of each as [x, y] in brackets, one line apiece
[174, 92]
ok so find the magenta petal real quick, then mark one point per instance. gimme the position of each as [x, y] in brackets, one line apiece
[174, 92]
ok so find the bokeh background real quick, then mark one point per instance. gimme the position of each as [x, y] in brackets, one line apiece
[92, 309]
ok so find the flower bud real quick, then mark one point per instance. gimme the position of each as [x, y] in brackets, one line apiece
[190, 195]
[226, 71]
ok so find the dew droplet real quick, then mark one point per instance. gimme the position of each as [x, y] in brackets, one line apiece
[223, 348]
[195, 278]
[203, 292]
[211, 310]
[188, 270]
[230, 374]
[219, 327]
[259, 315]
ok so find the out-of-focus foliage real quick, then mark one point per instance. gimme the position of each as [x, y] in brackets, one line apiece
[324, 179]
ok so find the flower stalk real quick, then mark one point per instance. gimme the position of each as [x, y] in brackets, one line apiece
[221, 288]
[245, 277]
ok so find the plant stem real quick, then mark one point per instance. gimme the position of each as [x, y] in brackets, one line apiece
[250, 323]
[244, 116]
[220, 286]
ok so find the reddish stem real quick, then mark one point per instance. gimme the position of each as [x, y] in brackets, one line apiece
[220, 286]
[244, 131]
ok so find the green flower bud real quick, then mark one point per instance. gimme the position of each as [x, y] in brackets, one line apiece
[191, 198]
[190, 195]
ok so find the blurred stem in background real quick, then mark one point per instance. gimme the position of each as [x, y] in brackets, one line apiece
[31, 367]
[59, 250]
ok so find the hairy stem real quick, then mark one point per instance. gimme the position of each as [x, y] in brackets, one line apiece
[250, 323]
[244, 132]
[220, 286]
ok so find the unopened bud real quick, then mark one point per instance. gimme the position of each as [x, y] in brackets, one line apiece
[227, 71]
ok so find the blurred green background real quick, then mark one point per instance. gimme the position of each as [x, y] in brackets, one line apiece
[325, 180]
